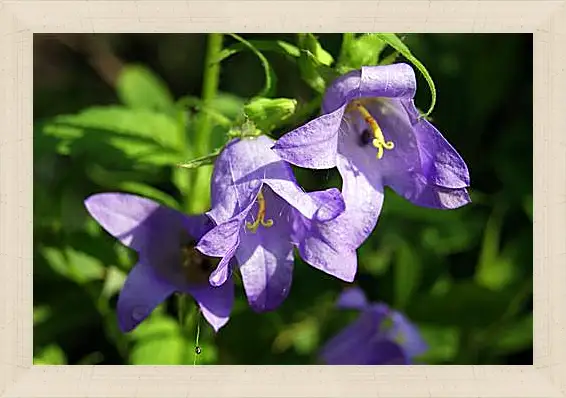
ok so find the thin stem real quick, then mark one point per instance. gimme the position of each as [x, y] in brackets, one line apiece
[209, 89]
[199, 196]
[197, 346]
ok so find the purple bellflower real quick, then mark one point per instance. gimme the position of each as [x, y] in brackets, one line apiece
[380, 336]
[372, 132]
[168, 262]
[261, 215]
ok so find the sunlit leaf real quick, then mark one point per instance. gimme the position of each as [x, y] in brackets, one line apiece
[442, 344]
[158, 341]
[140, 134]
[50, 355]
[139, 87]
[113, 282]
[360, 51]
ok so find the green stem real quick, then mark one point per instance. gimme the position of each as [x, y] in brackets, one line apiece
[209, 89]
[199, 196]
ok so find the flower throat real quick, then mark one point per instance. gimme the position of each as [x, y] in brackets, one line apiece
[375, 136]
[260, 220]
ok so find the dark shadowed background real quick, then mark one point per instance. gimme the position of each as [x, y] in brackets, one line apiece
[463, 276]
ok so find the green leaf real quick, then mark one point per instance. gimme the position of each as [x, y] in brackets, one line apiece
[407, 274]
[314, 63]
[113, 282]
[308, 42]
[41, 314]
[442, 344]
[360, 51]
[270, 78]
[140, 135]
[494, 270]
[138, 87]
[465, 304]
[72, 264]
[159, 341]
[267, 113]
[50, 355]
[397, 44]
[515, 336]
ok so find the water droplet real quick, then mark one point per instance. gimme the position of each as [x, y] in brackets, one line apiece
[197, 350]
[138, 313]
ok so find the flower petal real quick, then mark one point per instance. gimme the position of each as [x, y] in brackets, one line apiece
[420, 161]
[239, 173]
[129, 218]
[317, 241]
[442, 198]
[388, 353]
[331, 204]
[215, 302]
[352, 298]
[355, 344]
[314, 144]
[142, 292]
[412, 341]
[363, 195]
[266, 257]
[221, 239]
[386, 81]
[442, 164]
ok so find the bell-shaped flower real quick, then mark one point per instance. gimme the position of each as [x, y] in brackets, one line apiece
[261, 214]
[380, 336]
[168, 262]
[372, 132]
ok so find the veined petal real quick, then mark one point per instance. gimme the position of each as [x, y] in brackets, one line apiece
[436, 197]
[142, 292]
[266, 257]
[423, 167]
[134, 220]
[235, 183]
[385, 81]
[239, 173]
[363, 195]
[316, 240]
[215, 302]
[314, 144]
[441, 164]
[222, 241]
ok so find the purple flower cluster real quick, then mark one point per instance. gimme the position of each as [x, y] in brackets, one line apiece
[380, 336]
[372, 132]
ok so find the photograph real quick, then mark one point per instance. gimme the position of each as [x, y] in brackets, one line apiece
[283, 199]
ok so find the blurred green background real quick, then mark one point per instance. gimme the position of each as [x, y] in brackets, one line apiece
[463, 276]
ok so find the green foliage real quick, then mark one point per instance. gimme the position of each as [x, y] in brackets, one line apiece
[463, 276]
[268, 113]
[139, 87]
[363, 50]
[397, 44]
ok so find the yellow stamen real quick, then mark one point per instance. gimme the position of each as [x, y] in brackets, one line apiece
[260, 215]
[378, 141]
